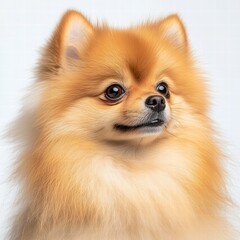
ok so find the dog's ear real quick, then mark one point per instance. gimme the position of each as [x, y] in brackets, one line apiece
[67, 43]
[173, 30]
[74, 30]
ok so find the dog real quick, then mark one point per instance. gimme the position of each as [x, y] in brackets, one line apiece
[116, 139]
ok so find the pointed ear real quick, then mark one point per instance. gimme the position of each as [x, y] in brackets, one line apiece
[66, 45]
[174, 31]
[72, 33]
[75, 31]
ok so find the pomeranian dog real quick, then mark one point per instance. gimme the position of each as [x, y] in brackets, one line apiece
[116, 139]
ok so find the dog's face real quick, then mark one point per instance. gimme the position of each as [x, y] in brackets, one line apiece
[118, 85]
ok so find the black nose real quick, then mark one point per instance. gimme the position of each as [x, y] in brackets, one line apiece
[156, 103]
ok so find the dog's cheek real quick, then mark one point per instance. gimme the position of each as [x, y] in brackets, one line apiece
[86, 118]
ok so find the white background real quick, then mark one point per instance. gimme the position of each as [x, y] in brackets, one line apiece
[214, 32]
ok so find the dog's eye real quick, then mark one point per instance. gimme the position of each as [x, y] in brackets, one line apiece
[163, 89]
[114, 92]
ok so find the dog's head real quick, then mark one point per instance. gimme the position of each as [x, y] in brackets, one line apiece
[112, 84]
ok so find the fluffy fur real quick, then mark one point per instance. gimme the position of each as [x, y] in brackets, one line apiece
[82, 179]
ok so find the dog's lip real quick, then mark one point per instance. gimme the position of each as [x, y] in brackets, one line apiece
[153, 123]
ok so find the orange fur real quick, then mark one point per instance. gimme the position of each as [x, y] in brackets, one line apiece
[84, 180]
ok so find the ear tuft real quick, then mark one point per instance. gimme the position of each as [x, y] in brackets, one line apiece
[173, 29]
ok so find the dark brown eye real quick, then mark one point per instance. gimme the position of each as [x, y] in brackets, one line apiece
[114, 92]
[163, 89]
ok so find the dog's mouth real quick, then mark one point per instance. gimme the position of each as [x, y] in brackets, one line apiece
[151, 124]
